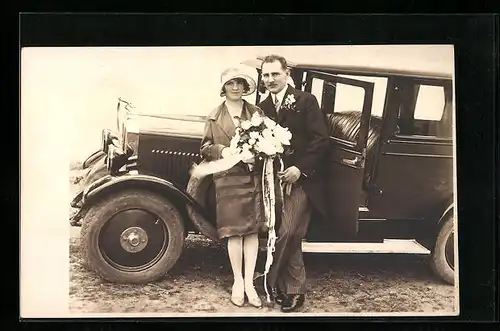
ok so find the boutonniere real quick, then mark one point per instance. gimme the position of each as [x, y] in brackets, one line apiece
[289, 102]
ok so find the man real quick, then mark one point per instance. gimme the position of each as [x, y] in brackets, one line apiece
[304, 170]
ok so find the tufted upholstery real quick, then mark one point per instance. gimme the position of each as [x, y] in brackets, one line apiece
[345, 125]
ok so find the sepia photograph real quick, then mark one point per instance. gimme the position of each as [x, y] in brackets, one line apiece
[223, 181]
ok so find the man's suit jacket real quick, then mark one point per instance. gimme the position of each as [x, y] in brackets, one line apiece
[309, 143]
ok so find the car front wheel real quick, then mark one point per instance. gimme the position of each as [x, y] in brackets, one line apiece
[443, 253]
[133, 236]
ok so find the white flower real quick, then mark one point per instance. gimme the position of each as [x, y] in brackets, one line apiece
[282, 134]
[256, 119]
[245, 125]
[267, 134]
[265, 147]
[254, 135]
[245, 147]
[289, 102]
[252, 141]
[269, 138]
[269, 123]
[276, 143]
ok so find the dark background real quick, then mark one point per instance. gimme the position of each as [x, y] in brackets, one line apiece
[476, 44]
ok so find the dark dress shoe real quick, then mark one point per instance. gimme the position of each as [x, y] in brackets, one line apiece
[279, 297]
[276, 295]
[292, 303]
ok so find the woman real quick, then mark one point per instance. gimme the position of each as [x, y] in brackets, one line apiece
[238, 190]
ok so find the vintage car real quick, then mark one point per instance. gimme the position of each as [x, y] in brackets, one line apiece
[390, 178]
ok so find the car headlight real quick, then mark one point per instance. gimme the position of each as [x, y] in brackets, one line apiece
[124, 138]
[104, 141]
[108, 138]
[114, 152]
[116, 145]
[121, 123]
[116, 156]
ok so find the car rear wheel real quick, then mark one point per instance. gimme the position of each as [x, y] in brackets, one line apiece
[133, 236]
[443, 253]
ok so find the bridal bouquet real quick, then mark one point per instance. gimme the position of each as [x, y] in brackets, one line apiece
[259, 138]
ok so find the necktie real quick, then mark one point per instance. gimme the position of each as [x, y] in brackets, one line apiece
[276, 103]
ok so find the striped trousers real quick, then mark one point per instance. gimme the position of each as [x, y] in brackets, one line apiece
[288, 271]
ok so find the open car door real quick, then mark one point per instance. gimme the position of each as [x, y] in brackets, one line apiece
[347, 103]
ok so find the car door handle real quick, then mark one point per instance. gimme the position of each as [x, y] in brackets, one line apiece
[353, 162]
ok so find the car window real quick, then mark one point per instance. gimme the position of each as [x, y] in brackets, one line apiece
[335, 99]
[430, 103]
[338, 97]
[379, 91]
[429, 114]
[348, 97]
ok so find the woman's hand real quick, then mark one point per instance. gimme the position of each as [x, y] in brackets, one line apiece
[225, 152]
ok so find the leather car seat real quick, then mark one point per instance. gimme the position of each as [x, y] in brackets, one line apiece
[345, 125]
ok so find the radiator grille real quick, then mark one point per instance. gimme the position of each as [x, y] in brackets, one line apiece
[169, 158]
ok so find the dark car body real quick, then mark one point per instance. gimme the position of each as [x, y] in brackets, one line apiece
[390, 173]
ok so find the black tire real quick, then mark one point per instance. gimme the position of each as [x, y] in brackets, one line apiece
[442, 256]
[106, 251]
[97, 171]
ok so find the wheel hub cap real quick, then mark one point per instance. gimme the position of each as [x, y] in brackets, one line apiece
[134, 239]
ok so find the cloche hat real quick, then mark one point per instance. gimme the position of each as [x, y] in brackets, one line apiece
[232, 73]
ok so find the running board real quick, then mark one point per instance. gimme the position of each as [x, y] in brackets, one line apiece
[388, 246]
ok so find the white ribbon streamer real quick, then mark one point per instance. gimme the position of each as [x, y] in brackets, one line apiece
[270, 213]
[216, 166]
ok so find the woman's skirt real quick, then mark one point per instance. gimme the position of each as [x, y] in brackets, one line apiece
[239, 202]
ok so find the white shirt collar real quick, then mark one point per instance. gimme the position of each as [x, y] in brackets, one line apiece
[280, 95]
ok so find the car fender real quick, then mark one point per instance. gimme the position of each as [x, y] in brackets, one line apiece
[438, 217]
[110, 184]
[428, 233]
[92, 159]
[446, 212]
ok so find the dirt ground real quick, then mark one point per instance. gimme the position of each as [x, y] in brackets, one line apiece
[201, 280]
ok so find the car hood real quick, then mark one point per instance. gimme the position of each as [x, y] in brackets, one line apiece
[191, 125]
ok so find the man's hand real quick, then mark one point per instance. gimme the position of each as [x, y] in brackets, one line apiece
[290, 175]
